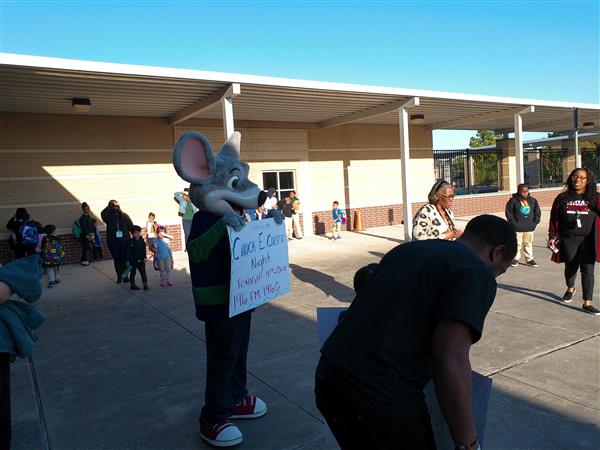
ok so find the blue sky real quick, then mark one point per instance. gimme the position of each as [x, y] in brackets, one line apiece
[538, 49]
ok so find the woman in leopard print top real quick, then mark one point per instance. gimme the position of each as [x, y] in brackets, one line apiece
[435, 220]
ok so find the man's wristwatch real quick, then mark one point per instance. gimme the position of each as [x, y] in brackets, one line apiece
[472, 446]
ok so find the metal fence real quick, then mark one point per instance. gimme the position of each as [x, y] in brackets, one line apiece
[470, 171]
[543, 167]
[590, 159]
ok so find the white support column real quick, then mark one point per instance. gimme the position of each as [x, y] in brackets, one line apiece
[576, 145]
[519, 142]
[404, 164]
[576, 137]
[305, 199]
[227, 106]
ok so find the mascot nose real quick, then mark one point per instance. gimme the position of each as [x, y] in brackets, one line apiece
[262, 198]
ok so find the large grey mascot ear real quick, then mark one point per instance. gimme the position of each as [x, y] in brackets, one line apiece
[193, 158]
[231, 148]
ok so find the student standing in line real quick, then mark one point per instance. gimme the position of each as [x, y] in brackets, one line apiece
[24, 237]
[523, 213]
[137, 258]
[575, 230]
[164, 256]
[87, 236]
[296, 215]
[270, 202]
[151, 229]
[339, 217]
[52, 255]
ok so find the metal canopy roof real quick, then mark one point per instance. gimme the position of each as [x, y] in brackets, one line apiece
[46, 85]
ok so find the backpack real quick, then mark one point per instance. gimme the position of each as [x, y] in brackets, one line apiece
[76, 229]
[28, 233]
[52, 252]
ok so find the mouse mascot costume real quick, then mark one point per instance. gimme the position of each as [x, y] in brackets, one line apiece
[221, 190]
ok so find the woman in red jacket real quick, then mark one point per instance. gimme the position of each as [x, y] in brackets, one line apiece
[574, 229]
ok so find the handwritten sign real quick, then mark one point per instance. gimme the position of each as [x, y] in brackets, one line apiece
[259, 265]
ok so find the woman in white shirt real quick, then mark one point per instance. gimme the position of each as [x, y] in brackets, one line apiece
[435, 220]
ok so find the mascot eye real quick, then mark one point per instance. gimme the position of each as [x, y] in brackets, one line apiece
[233, 182]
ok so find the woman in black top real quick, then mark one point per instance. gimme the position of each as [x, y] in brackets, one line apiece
[118, 229]
[573, 229]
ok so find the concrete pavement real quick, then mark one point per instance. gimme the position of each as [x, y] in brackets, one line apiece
[117, 369]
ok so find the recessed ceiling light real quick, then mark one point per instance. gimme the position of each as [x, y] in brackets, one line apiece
[81, 104]
[417, 118]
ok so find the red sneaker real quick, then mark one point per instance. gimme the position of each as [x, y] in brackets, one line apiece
[251, 407]
[222, 434]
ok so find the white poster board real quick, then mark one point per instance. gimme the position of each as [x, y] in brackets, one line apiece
[328, 318]
[259, 265]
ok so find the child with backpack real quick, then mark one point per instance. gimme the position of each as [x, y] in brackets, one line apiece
[163, 256]
[52, 255]
[24, 237]
[339, 218]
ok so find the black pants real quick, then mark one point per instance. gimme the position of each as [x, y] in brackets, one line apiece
[579, 253]
[139, 266]
[86, 248]
[118, 250]
[97, 252]
[5, 425]
[355, 428]
[226, 352]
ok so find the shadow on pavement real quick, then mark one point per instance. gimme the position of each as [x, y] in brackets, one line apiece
[119, 369]
[399, 241]
[323, 281]
[534, 293]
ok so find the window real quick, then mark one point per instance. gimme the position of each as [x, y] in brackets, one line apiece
[283, 181]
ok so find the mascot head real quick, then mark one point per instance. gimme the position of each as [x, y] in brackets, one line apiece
[219, 184]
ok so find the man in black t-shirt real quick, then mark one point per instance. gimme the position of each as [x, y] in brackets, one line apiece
[415, 318]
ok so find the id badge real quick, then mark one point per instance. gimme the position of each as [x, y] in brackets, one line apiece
[119, 234]
[578, 222]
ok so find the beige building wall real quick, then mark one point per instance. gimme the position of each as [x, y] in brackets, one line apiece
[365, 159]
[51, 163]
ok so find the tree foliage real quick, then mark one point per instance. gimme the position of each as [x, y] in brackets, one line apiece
[484, 138]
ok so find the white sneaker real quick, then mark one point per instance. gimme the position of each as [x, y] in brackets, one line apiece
[251, 407]
[222, 434]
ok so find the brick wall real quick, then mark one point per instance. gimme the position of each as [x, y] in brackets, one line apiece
[378, 216]
[72, 247]
[373, 216]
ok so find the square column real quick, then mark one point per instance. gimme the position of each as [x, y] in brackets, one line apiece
[509, 165]
[404, 165]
